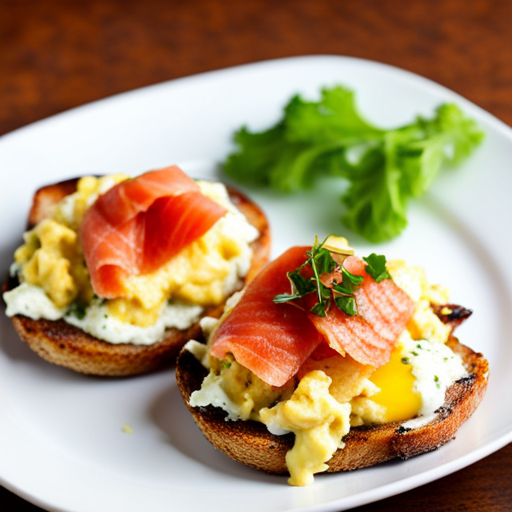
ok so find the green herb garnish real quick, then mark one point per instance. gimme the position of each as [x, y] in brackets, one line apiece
[384, 169]
[331, 282]
[376, 267]
[321, 262]
[100, 301]
[346, 304]
[77, 309]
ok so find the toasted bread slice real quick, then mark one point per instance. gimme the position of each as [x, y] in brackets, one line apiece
[65, 345]
[250, 443]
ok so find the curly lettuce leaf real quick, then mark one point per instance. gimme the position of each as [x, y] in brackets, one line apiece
[384, 169]
[332, 119]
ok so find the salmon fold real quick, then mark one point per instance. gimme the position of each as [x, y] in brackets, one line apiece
[140, 224]
[273, 340]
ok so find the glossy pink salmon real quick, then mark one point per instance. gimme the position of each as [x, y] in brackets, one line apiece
[140, 224]
[274, 340]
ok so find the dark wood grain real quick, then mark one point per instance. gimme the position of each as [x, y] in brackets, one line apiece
[58, 54]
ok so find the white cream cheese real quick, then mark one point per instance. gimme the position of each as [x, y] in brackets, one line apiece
[29, 300]
[212, 393]
[435, 368]
[100, 324]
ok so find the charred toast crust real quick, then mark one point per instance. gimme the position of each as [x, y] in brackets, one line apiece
[250, 443]
[63, 344]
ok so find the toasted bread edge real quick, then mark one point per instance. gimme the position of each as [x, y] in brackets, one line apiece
[250, 443]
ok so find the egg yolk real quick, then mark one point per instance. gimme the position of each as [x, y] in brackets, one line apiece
[396, 383]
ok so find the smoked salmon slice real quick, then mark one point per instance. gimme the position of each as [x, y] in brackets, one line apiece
[140, 224]
[274, 340]
[383, 310]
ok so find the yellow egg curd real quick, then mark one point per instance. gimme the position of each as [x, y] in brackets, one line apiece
[318, 421]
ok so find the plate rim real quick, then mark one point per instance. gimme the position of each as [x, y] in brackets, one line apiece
[497, 124]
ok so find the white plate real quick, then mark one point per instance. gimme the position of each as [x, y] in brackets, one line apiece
[61, 440]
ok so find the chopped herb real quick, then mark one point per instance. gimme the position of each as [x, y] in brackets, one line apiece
[286, 297]
[415, 353]
[436, 380]
[226, 365]
[320, 308]
[347, 304]
[377, 267]
[337, 290]
[419, 346]
[106, 316]
[349, 284]
[405, 360]
[100, 300]
[331, 282]
[77, 309]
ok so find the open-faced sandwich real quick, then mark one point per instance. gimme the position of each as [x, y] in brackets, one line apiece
[353, 364]
[116, 272]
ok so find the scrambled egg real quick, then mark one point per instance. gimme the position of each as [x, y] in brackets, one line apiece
[318, 421]
[203, 274]
[424, 322]
[237, 390]
[336, 393]
[51, 258]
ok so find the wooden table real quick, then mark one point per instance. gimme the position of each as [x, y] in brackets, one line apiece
[58, 54]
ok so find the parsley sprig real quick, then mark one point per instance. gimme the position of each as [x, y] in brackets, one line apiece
[331, 282]
[376, 267]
